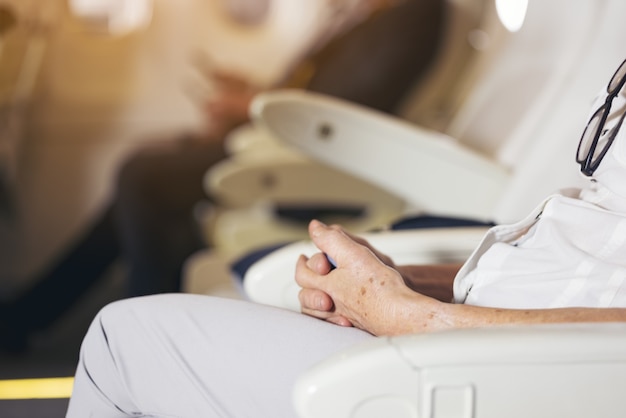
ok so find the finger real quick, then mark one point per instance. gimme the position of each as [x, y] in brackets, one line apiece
[308, 278]
[340, 320]
[335, 242]
[315, 300]
[316, 314]
[319, 263]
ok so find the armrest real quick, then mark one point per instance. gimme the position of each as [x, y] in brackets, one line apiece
[287, 177]
[271, 280]
[564, 370]
[262, 170]
[428, 169]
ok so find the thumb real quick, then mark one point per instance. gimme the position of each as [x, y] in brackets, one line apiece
[332, 240]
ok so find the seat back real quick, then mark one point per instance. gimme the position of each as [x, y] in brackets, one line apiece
[547, 161]
[515, 79]
[435, 97]
[520, 75]
[528, 104]
[530, 92]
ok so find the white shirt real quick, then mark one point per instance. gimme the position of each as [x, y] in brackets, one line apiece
[571, 251]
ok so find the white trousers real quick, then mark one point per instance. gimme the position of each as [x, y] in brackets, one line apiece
[198, 356]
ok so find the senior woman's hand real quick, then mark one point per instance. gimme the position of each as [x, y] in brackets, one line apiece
[367, 293]
[363, 291]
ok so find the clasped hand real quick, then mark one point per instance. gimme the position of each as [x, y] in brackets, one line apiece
[365, 290]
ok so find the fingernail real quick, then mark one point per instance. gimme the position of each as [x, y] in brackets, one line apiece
[315, 225]
[318, 223]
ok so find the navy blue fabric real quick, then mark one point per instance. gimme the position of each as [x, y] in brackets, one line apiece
[427, 221]
[241, 266]
[304, 213]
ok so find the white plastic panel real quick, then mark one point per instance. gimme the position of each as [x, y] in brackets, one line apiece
[428, 169]
[539, 371]
[387, 387]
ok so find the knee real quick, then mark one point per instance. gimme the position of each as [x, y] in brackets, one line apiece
[106, 325]
[125, 320]
[110, 334]
[100, 382]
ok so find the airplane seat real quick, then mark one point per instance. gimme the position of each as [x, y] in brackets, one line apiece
[517, 86]
[503, 96]
[260, 187]
[573, 370]
[436, 96]
[546, 165]
[230, 183]
[433, 101]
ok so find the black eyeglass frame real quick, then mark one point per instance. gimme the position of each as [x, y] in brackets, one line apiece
[591, 160]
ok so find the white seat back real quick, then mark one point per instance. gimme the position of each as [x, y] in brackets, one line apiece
[522, 74]
[548, 162]
[530, 105]
[435, 97]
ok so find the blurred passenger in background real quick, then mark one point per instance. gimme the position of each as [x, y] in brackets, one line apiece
[150, 222]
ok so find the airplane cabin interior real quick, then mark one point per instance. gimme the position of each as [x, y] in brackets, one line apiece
[484, 132]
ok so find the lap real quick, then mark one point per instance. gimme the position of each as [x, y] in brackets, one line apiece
[191, 355]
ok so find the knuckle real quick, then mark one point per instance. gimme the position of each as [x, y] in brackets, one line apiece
[336, 227]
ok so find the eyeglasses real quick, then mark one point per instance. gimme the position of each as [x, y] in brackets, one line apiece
[596, 141]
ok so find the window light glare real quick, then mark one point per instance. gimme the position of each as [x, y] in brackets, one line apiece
[512, 13]
[116, 17]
